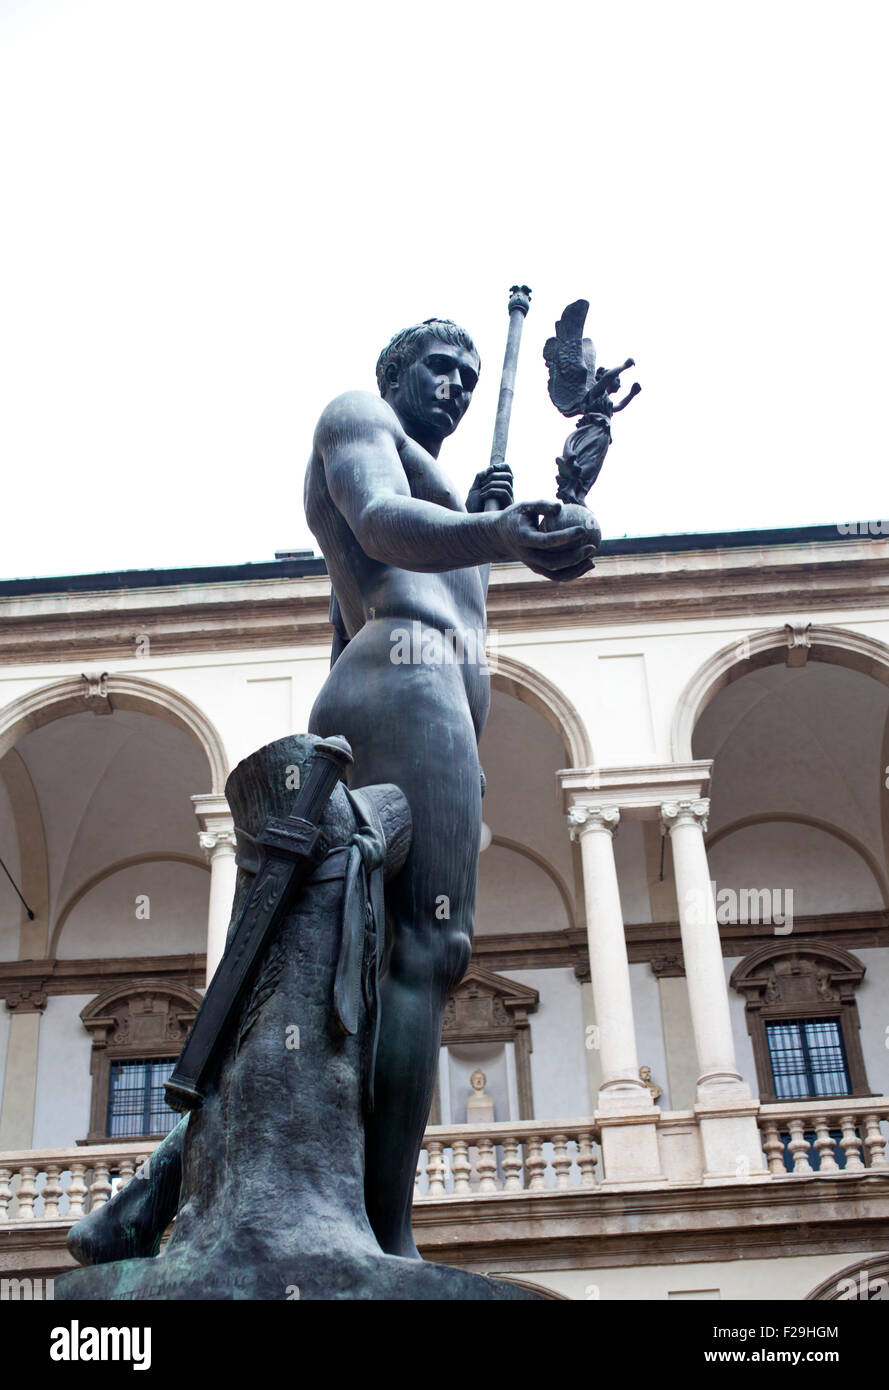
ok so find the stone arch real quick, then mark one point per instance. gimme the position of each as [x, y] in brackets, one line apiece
[865, 1280]
[77, 694]
[515, 847]
[539, 862]
[835, 645]
[523, 683]
[150, 857]
[794, 818]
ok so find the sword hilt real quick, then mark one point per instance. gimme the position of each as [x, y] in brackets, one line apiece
[332, 760]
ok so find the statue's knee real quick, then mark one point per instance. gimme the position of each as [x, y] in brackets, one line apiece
[458, 952]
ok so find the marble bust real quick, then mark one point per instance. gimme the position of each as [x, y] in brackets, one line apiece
[479, 1105]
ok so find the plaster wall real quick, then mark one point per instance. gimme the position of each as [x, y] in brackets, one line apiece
[515, 894]
[61, 1113]
[558, 1061]
[5, 1019]
[10, 907]
[760, 1281]
[105, 921]
[872, 997]
[649, 1029]
[823, 873]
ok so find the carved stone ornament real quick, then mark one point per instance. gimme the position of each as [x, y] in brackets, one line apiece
[582, 819]
[26, 1001]
[96, 691]
[486, 1007]
[799, 643]
[694, 812]
[668, 967]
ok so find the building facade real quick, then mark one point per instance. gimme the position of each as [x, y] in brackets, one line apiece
[665, 1073]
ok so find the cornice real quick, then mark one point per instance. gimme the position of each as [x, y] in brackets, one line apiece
[97, 974]
[692, 1223]
[541, 950]
[292, 611]
[655, 941]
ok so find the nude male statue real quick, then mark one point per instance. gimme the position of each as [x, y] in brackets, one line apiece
[402, 549]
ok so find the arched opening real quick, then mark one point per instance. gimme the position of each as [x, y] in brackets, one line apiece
[796, 721]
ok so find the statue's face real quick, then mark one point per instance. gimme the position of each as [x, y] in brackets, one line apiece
[432, 394]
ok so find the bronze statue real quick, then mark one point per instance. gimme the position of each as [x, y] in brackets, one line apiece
[402, 549]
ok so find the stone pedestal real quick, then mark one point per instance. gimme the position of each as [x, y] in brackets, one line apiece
[272, 1194]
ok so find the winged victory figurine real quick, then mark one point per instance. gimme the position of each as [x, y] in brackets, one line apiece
[578, 387]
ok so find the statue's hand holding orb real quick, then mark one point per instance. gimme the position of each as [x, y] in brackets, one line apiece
[551, 538]
[574, 514]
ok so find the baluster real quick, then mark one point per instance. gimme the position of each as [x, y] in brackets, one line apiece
[561, 1161]
[417, 1175]
[5, 1192]
[535, 1163]
[875, 1142]
[824, 1145]
[26, 1193]
[76, 1191]
[773, 1148]
[586, 1159]
[512, 1165]
[461, 1168]
[851, 1145]
[52, 1191]
[799, 1147]
[487, 1166]
[126, 1167]
[100, 1188]
[435, 1169]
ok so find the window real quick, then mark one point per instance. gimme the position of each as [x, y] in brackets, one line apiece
[138, 1028]
[137, 1103]
[803, 1020]
[808, 1058]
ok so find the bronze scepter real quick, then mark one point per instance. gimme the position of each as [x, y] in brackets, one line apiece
[519, 304]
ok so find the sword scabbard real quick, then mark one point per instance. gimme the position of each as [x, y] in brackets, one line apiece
[292, 848]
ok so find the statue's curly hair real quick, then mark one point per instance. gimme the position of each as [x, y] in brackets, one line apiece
[402, 350]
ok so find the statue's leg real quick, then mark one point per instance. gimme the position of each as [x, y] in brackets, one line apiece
[427, 959]
[411, 725]
[135, 1219]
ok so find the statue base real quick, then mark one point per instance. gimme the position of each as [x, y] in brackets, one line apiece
[310, 1275]
[266, 1179]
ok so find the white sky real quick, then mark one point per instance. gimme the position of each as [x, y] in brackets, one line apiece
[214, 215]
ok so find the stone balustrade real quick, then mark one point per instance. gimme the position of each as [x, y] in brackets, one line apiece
[828, 1136]
[64, 1184]
[798, 1139]
[525, 1156]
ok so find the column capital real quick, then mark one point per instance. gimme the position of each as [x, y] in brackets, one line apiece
[583, 819]
[217, 828]
[212, 841]
[693, 812]
[26, 1001]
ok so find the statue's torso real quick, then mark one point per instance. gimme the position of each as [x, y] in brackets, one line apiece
[379, 600]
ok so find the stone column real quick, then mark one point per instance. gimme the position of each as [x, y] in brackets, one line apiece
[217, 840]
[724, 1107]
[625, 1112]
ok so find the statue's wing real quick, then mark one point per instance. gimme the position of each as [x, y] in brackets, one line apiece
[571, 360]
